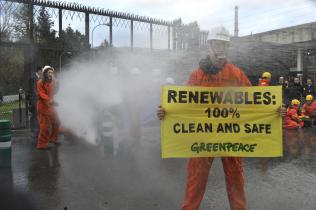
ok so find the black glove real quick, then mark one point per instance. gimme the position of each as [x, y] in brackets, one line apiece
[207, 66]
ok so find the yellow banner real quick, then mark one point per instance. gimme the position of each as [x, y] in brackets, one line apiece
[216, 122]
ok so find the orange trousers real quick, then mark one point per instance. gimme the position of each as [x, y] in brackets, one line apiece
[198, 170]
[291, 124]
[49, 128]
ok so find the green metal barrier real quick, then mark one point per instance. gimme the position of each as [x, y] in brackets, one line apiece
[5, 143]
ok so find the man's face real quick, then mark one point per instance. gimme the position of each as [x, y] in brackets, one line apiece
[218, 52]
[296, 80]
[309, 82]
[50, 74]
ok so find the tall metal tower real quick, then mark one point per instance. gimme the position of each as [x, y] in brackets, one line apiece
[236, 22]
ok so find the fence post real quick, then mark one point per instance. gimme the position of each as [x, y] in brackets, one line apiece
[111, 32]
[60, 19]
[87, 30]
[151, 37]
[132, 35]
[20, 104]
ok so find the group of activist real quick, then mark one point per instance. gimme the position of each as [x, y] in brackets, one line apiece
[298, 97]
[293, 87]
[300, 115]
[216, 71]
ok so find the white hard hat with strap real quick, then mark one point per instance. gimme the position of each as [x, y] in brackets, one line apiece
[219, 33]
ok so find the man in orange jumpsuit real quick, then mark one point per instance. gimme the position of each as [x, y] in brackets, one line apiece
[309, 107]
[266, 78]
[48, 120]
[308, 110]
[215, 71]
[292, 119]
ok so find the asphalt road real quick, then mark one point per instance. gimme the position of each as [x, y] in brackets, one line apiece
[77, 176]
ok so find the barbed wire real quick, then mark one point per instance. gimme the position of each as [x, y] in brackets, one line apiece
[160, 29]
[71, 11]
[97, 19]
[92, 10]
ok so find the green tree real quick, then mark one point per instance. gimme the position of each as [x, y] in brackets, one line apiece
[11, 70]
[46, 39]
[44, 33]
[72, 40]
[6, 24]
[22, 23]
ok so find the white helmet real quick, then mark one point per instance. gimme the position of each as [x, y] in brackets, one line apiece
[47, 68]
[170, 81]
[219, 33]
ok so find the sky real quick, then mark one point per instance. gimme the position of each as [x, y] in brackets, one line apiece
[254, 16]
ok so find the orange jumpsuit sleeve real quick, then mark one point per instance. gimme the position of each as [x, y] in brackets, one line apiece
[292, 113]
[193, 78]
[242, 77]
[41, 92]
[314, 106]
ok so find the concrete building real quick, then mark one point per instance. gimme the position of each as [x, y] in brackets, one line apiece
[188, 36]
[290, 50]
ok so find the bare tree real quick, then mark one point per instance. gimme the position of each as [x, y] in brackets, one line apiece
[6, 22]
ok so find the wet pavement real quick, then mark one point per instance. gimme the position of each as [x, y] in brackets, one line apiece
[76, 175]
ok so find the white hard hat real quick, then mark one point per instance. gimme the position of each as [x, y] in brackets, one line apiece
[135, 71]
[219, 33]
[47, 68]
[170, 81]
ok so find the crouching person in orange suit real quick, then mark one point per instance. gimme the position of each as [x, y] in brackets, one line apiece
[48, 119]
[309, 109]
[292, 119]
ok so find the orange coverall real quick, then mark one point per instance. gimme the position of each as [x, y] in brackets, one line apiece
[198, 168]
[292, 120]
[309, 109]
[264, 82]
[47, 116]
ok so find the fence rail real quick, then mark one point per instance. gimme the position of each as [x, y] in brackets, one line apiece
[92, 10]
